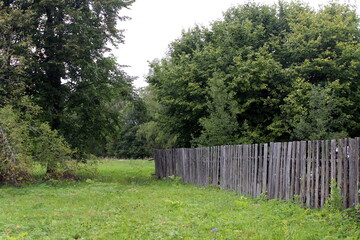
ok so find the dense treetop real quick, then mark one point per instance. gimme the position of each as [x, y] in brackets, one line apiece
[55, 52]
[262, 73]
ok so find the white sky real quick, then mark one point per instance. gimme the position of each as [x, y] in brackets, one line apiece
[156, 23]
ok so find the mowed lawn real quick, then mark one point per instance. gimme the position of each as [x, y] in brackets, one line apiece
[126, 202]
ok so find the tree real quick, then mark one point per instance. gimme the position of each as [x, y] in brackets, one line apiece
[142, 131]
[185, 81]
[15, 45]
[221, 126]
[127, 144]
[315, 112]
[179, 82]
[238, 80]
[91, 115]
[58, 53]
[153, 133]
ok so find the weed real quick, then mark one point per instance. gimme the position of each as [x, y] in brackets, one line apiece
[174, 178]
[297, 200]
[263, 197]
[334, 203]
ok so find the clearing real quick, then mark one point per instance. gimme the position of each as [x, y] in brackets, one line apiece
[126, 202]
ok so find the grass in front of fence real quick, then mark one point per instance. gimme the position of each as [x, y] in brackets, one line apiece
[126, 202]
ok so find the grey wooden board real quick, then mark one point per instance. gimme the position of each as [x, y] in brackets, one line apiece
[280, 170]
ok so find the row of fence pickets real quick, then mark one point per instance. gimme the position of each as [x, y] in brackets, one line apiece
[279, 170]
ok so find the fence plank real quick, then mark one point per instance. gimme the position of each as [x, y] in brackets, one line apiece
[271, 178]
[208, 167]
[222, 167]
[233, 168]
[303, 171]
[279, 170]
[345, 151]
[297, 169]
[323, 168]
[340, 166]
[353, 173]
[217, 166]
[352, 183]
[192, 157]
[240, 169]
[250, 171]
[312, 172]
[292, 173]
[327, 169]
[246, 169]
[198, 166]
[251, 167]
[260, 170]
[308, 174]
[255, 171]
[265, 168]
[236, 168]
[333, 159]
[288, 171]
[317, 174]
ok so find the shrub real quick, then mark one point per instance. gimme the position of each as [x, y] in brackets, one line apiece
[25, 141]
[15, 160]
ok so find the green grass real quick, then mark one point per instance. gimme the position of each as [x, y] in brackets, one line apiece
[126, 202]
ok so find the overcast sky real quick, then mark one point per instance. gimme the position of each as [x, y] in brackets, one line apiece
[156, 23]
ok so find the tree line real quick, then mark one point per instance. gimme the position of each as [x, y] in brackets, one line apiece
[261, 73]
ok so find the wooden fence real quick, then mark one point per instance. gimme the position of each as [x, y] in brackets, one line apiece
[280, 170]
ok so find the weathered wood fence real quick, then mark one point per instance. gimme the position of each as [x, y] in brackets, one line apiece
[280, 170]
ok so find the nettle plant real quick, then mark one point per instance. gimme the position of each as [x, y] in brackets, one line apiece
[334, 203]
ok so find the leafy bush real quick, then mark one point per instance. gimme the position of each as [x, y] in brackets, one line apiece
[25, 142]
[50, 149]
[15, 159]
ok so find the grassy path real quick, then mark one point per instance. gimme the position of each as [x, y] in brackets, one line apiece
[126, 202]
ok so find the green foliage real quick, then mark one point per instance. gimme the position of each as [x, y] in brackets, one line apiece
[141, 130]
[152, 132]
[15, 160]
[334, 203]
[177, 83]
[126, 144]
[56, 52]
[154, 136]
[262, 73]
[316, 112]
[93, 112]
[15, 49]
[26, 142]
[352, 214]
[221, 126]
[132, 204]
[50, 149]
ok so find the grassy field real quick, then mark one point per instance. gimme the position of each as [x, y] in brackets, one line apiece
[125, 202]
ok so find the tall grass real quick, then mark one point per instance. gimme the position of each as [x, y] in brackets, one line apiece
[126, 202]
